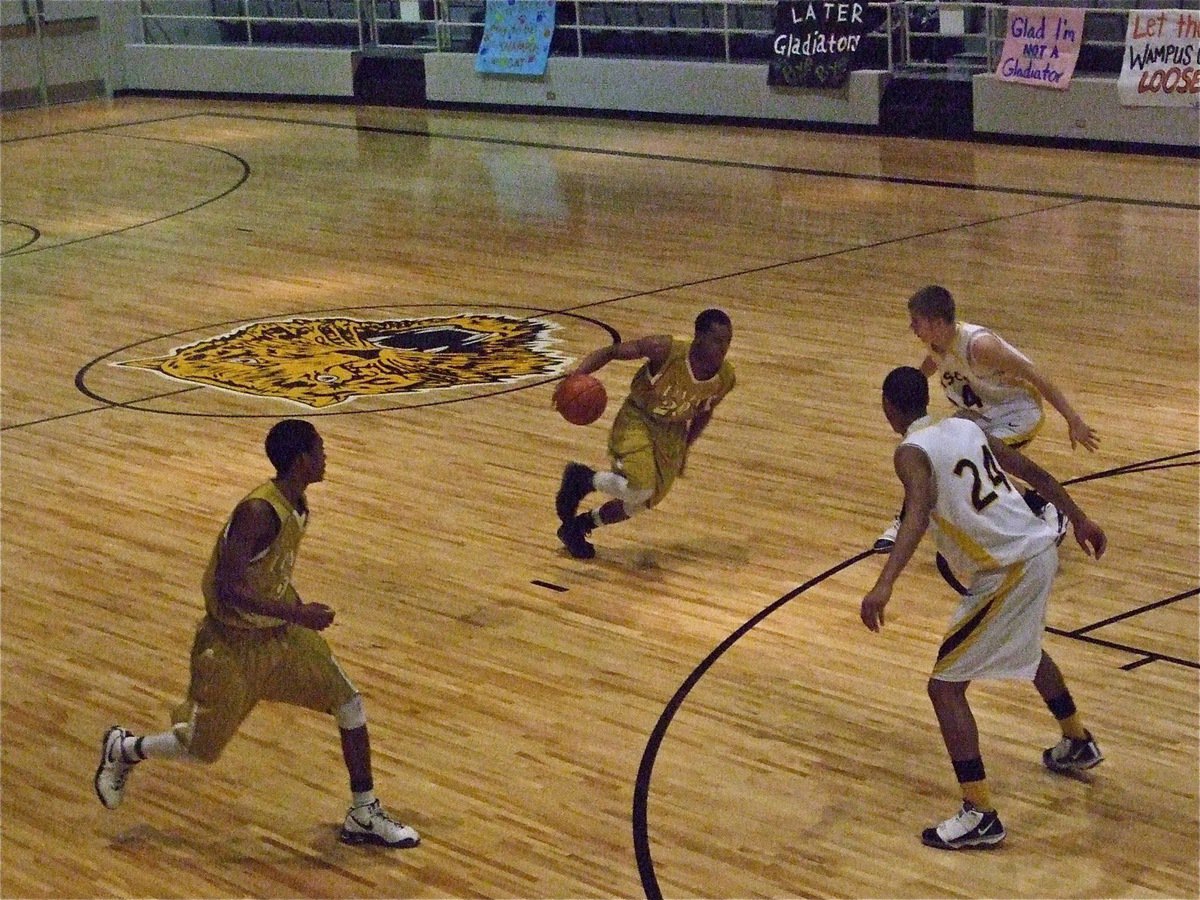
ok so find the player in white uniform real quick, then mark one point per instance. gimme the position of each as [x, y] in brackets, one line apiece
[957, 477]
[990, 382]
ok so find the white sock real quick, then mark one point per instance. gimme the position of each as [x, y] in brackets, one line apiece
[362, 798]
[610, 483]
[162, 746]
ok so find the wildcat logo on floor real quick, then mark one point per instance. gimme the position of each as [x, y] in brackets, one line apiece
[322, 362]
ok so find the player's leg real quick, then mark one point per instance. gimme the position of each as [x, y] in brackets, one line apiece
[576, 483]
[976, 824]
[1077, 750]
[1017, 424]
[218, 700]
[305, 673]
[635, 483]
[994, 633]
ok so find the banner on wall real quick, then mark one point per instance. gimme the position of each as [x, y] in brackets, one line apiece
[1041, 46]
[516, 37]
[1161, 66]
[816, 43]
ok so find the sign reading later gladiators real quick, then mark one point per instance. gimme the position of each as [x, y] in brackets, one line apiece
[815, 43]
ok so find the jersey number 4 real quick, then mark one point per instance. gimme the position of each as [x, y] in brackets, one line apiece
[979, 499]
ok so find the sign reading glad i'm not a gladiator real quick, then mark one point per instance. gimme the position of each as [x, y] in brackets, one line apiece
[815, 43]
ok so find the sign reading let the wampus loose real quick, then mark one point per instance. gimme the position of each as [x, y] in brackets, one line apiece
[1041, 46]
[1161, 66]
[816, 43]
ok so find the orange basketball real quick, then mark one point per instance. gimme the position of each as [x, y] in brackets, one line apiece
[580, 399]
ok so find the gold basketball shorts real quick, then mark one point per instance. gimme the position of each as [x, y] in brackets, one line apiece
[648, 452]
[233, 668]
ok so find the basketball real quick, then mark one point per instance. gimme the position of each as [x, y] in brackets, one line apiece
[580, 399]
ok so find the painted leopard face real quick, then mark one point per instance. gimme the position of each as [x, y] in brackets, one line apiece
[322, 362]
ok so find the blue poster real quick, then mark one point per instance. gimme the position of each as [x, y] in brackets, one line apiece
[516, 37]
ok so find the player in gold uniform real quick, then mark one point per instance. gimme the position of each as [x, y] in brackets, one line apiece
[259, 641]
[670, 403]
[957, 478]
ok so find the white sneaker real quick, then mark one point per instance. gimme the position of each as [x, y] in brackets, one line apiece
[1053, 517]
[887, 540]
[371, 825]
[113, 769]
[969, 828]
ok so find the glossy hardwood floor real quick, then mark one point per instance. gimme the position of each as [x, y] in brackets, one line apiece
[522, 703]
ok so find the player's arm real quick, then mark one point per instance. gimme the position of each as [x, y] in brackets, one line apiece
[1089, 535]
[989, 351]
[929, 365]
[253, 527]
[702, 418]
[654, 348]
[699, 423]
[915, 473]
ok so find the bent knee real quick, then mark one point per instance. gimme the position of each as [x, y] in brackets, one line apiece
[200, 751]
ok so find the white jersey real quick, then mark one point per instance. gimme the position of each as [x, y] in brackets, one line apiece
[1006, 407]
[980, 519]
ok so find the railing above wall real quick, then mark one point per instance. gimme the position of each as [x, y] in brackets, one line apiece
[952, 39]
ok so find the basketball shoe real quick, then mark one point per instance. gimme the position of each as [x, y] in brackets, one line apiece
[1073, 754]
[576, 484]
[114, 768]
[369, 824]
[887, 540]
[573, 533]
[971, 827]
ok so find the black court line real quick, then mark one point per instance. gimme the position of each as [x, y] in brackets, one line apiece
[1133, 612]
[1137, 664]
[1150, 655]
[245, 166]
[108, 404]
[882, 242]
[35, 232]
[547, 584]
[1145, 465]
[630, 154]
[103, 127]
[641, 789]
[722, 163]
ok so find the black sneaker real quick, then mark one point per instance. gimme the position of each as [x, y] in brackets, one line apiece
[576, 484]
[887, 540]
[1073, 754]
[970, 828]
[573, 534]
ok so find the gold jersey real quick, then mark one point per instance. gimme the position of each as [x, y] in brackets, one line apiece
[674, 394]
[269, 573]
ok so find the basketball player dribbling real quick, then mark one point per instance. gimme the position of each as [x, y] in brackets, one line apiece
[670, 403]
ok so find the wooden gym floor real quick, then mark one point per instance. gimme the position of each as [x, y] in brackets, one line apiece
[697, 712]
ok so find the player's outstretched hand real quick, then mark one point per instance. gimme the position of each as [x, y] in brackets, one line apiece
[316, 616]
[1091, 537]
[1082, 433]
[871, 611]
